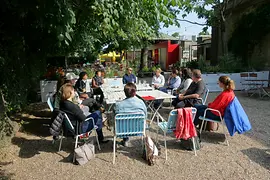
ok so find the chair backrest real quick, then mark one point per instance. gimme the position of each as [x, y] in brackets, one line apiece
[49, 102]
[68, 125]
[205, 95]
[171, 125]
[130, 124]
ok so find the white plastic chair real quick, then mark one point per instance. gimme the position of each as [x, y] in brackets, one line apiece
[128, 125]
[170, 125]
[221, 121]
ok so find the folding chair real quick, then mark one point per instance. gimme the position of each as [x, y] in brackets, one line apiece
[205, 96]
[75, 132]
[221, 121]
[68, 127]
[172, 93]
[170, 125]
[243, 78]
[254, 85]
[265, 91]
[50, 104]
[128, 125]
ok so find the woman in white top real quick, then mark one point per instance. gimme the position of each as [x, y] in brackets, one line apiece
[187, 80]
[158, 79]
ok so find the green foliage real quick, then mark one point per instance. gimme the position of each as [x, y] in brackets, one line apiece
[204, 32]
[90, 72]
[33, 30]
[201, 64]
[192, 64]
[176, 35]
[145, 69]
[249, 32]
[212, 69]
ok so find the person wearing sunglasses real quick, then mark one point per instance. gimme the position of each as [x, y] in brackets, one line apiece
[129, 77]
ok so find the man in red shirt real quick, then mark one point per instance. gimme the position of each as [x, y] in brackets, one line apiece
[220, 103]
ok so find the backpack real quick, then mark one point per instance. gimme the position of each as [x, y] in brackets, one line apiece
[188, 144]
[210, 126]
[150, 151]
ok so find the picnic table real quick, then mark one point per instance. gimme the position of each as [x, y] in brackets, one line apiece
[258, 86]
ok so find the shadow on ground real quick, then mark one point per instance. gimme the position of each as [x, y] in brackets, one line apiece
[37, 128]
[259, 156]
[31, 147]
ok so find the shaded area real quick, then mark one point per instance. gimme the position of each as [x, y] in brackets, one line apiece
[31, 147]
[38, 128]
[259, 156]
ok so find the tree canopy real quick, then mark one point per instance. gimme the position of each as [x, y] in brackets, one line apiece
[33, 30]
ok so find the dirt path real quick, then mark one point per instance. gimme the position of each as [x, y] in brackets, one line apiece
[248, 157]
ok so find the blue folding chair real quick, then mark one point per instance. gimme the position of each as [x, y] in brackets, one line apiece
[220, 120]
[49, 102]
[170, 125]
[74, 130]
[205, 96]
[128, 125]
[76, 133]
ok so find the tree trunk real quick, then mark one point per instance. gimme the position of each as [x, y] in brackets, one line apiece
[6, 125]
[224, 44]
[144, 58]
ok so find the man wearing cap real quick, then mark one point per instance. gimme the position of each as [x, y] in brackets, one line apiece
[86, 105]
[129, 77]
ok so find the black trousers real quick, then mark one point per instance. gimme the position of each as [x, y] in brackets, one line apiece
[98, 91]
[92, 104]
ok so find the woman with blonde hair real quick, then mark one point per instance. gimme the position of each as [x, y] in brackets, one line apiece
[158, 79]
[221, 101]
[75, 114]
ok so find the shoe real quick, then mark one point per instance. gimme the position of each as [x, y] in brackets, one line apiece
[104, 117]
[102, 109]
[125, 143]
[104, 141]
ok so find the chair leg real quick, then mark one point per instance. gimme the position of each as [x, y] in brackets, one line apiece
[142, 142]
[76, 144]
[165, 144]
[201, 127]
[60, 144]
[194, 147]
[114, 144]
[97, 140]
[224, 131]
[156, 138]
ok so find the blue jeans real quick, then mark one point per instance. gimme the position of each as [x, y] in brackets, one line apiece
[200, 112]
[88, 125]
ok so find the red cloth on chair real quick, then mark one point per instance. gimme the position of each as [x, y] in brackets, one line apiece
[184, 125]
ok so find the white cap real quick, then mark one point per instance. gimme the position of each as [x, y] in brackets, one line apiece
[71, 76]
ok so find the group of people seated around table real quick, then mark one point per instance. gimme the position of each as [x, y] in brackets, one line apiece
[189, 92]
[73, 99]
[79, 104]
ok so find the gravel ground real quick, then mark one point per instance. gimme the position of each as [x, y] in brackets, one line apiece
[32, 156]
